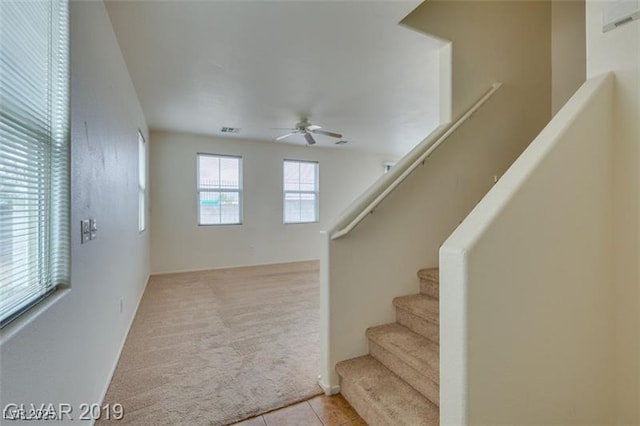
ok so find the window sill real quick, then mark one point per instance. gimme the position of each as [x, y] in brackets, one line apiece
[17, 325]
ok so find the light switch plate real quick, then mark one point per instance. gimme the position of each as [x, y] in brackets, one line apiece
[85, 231]
[93, 229]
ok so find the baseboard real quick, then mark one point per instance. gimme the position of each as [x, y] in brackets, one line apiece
[328, 390]
[219, 268]
[124, 339]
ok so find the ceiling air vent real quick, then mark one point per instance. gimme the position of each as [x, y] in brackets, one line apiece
[230, 130]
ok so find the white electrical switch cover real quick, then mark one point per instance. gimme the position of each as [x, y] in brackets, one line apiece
[85, 230]
[93, 225]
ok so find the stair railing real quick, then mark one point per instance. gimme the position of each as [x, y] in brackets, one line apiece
[367, 202]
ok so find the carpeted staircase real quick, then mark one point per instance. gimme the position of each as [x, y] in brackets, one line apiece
[398, 382]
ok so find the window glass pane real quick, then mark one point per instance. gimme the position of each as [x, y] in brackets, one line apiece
[229, 173]
[307, 207]
[308, 176]
[291, 176]
[291, 207]
[210, 208]
[142, 163]
[230, 207]
[209, 169]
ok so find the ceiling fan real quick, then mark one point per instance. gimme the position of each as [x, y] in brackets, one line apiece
[306, 129]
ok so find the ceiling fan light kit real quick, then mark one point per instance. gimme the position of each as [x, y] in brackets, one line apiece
[306, 129]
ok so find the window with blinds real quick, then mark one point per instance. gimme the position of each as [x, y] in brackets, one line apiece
[34, 152]
[301, 191]
[219, 190]
[142, 182]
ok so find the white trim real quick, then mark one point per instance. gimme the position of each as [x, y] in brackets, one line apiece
[328, 390]
[124, 340]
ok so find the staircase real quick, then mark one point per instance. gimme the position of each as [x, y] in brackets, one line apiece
[398, 382]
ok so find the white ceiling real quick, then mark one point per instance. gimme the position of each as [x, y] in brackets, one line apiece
[346, 65]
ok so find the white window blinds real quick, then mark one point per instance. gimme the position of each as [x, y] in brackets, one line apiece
[34, 152]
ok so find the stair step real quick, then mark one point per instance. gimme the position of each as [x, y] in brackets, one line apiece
[412, 357]
[382, 398]
[420, 314]
[430, 282]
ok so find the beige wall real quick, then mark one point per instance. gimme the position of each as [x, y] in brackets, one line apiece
[67, 352]
[179, 244]
[619, 50]
[506, 42]
[525, 293]
[568, 50]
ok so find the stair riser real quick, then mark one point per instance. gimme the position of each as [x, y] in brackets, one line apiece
[430, 288]
[420, 382]
[365, 408]
[418, 325]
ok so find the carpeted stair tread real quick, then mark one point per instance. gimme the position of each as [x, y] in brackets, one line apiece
[432, 274]
[421, 354]
[381, 397]
[421, 306]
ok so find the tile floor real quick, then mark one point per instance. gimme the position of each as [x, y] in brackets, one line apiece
[319, 411]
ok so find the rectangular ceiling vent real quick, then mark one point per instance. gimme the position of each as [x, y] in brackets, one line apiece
[230, 129]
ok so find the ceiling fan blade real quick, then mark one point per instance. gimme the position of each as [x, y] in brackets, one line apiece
[313, 127]
[279, 138]
[309, 138]
[326, 133]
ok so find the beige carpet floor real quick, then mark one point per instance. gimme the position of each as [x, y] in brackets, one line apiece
[214, 347]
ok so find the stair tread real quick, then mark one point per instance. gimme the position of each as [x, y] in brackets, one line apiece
[418, 352]
[388, 399]
[432, 274]
[420, 305]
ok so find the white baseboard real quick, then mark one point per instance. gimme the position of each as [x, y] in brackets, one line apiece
[328, 390]
[124, 339]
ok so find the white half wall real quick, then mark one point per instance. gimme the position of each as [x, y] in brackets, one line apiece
[619, 51]
[526, 306]
[179, 244]
[65, 351]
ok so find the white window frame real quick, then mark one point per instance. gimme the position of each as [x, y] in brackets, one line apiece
[142, 182]
[316, 191]
[239, 191]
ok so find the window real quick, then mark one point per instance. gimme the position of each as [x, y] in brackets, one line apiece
[219, 190]
[142, 182]
[34, 153]
[300, 191]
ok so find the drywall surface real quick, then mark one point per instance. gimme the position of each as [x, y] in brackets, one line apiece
[179, 244]
[526, 292]
[67, 352]
[491, 42]
[568, 50]
[619, 51]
